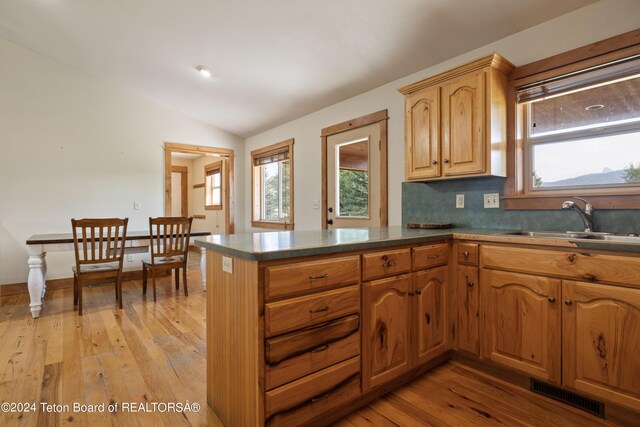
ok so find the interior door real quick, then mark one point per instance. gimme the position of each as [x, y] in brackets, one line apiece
[353, 178]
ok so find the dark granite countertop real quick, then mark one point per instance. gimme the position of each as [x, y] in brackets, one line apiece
[271, 245]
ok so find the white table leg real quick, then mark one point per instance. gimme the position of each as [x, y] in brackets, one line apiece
[203, 267]
[36, 280]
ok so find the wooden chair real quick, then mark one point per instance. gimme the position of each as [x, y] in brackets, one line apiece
[169, 250]
[99, 248]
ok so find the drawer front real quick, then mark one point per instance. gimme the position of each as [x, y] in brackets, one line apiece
[302, 400]
[296, 313]
[289, 279]
[300, 353]
[586, 267]
[468, 253]
[430, 256]
[389, 263]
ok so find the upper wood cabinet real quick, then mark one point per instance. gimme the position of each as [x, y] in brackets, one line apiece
[455, 122]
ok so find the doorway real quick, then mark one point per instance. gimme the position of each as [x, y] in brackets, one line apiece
[206, 192]
[354, 173]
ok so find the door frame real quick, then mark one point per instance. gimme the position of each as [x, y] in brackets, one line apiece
[379, 117]
[184, 191]
[225, 153]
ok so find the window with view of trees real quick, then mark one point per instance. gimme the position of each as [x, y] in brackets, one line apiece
[272, 184]
[213, 186]
[582, 131]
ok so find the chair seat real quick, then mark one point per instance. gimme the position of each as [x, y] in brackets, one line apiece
[94, 268]
[165, 260]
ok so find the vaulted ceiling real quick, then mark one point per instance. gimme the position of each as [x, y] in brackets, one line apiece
[273, 61]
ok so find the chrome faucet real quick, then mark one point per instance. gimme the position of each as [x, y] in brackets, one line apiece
[586, 214]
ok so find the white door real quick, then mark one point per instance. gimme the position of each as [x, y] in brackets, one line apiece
[353, 178]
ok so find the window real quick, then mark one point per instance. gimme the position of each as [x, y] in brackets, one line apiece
[582, 132]
[213, 186]
[574, 128]
[272, 186]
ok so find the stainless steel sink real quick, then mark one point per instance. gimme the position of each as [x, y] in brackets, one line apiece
[549, 234]
[571, 235]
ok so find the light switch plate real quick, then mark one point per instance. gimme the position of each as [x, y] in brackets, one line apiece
[459, 201]
[492, 200]
[137, 206]
[227, 264]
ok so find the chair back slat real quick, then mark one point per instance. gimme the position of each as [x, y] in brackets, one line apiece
[99, 241]
[169, 236]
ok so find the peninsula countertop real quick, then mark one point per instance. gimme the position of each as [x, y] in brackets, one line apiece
[269, 245]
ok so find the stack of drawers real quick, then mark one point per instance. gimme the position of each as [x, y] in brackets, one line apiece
[312, 338]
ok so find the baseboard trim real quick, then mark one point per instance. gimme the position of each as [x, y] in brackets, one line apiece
[64, 283]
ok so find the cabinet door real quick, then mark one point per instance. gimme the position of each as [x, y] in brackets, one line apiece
[466, 331]
[463, 148]
[385, 330]
[429, 314]
[522, 322]
[422, 139]
[601, 339]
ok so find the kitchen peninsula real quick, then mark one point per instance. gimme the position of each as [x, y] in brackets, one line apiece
[305, 326]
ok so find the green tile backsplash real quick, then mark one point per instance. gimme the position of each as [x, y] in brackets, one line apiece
[436, 202]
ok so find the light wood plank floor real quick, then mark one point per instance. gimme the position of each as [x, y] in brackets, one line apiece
[155, 352]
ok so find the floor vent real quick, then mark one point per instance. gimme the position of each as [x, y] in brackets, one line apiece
[556, 393]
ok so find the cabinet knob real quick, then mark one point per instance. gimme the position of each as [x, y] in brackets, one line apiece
[410, 294]
[568, 301]
[418, 292]
[552, 299]
[470, 284]
[434, 162]
[466, 254]
[446, 160]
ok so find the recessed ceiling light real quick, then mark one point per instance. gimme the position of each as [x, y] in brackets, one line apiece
[204, 71]
[594, 107]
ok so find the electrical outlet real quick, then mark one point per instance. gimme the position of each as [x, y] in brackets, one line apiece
[492, 200]
[316, 204]
[137, 206]
[227, 264]
[459, 201]
[129, 257]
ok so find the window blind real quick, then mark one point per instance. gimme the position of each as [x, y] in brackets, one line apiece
[271, 157]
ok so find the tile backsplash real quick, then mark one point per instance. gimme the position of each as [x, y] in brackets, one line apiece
[436, 202]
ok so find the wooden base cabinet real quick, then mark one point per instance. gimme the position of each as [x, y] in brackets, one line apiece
[521, 322]
[386, 311]
[601, 341]
[404, 324]
[467, 309]
[429, 315]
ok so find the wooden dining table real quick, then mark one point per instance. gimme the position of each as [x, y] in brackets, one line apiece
[40, 244]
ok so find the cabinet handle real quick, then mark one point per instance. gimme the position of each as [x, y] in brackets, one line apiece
[568, 301]
[466, 254]
[470, 284]
[446, 160]
[319, 310]
[322, 276]
[434, 162]
[552, 299]
[324, 396]
[418, 292]
[433, 256]
[319, 349]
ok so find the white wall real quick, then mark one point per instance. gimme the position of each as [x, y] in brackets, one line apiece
[592, 23]
[76, 146]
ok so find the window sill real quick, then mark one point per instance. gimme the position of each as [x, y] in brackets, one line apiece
[280, 225]
[552, 202]
[213, 208]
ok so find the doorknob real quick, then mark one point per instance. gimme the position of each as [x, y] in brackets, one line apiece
[329, 221]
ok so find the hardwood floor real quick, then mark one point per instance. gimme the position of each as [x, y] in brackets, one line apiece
[155, 352]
